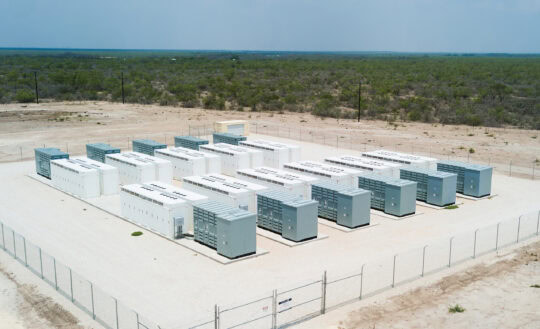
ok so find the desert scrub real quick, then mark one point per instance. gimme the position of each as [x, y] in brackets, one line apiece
[456, 309]
[452, 206]
[136, 233]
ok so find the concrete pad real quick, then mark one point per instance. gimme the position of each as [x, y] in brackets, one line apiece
[278, 238]
[432, 206]
[385, 215]
[342, 228]
[468, 197]
[212, 254]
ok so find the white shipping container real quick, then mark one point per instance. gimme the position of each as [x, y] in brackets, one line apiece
[230, 190]
[256, 158]
[231, 160]
[155, 210]
[323, 171]
[403, 158]
[277, 179]
[273, 156]
[185, 162]
[190, 197]
[294, 150]
[164, 168]
[75, 178]
[109, 179]
[132, 169]
[366, 164]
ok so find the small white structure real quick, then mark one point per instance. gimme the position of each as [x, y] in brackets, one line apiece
[366, 164]
[403, 158]
[164, 168]
[109, 180]
[237, 127]
[190, 197]
[235, 192]
[188, 162]
[273, 155]
[155, 210]
[279, 179]
[132, 168]
[232, 159]
[75, 178]
[324, 171]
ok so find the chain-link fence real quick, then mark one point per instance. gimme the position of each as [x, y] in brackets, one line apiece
[512, 167]
[102, 307]
[285, 307]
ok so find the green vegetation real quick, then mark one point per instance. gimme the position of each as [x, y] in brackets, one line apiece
[450, 89]
[535, 286]
[137, 233]
[456, 309]
[452, 206]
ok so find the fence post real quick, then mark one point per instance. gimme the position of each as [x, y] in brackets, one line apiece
[274, 307]
[533, 170]
[518, 228]
[55, 277]
[423, 259]
[137, 317]
[474, 248]
[216, 317]
[14, 245]
[71, 285]
[92, 295]
[4, 239]
[20, 149]
[41, 263]
[323, 293]
[337, 142]
[497, 237]
[537, 225]
[510, 169]
[116, 312]
[450, 253]
[394, 272]
[25, 257]
[362, 280]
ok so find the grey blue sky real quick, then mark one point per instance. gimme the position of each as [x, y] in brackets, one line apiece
[299, 25]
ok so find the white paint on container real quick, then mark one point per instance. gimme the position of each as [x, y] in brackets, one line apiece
[366, 164]
[278, 179]
[132, 168]
[163, 167]
[403, 158]
[155, 210]
[231, 159]
[226, 189]
[273, 155]
[109, 179]
[75, 178]
[325, 171]
[185, 162]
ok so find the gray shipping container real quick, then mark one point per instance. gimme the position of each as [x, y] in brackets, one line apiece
[393, 196]
[231, 231]
[43, 157]
[287, 214]
[472, 179]
[347, 206]
[228, 138]
[434, 187]
[97, 151]
[147, 146]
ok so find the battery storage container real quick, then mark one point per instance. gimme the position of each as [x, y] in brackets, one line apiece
[324, 171]
[231, 159]
[287, 214]
[472, 179]
[43, 157]
[366, 164]
[227, 138]
[347, 206]
[109, 179]
[434, 187]
[147, 146]
[228, 230]
[132, 168]
[403, 158]
[185, 162]
[237, 127]
[189, 142]
[163, 167]
[75, 178]
[273, 155]
[275, 179]
[393, 196]
[97, 151]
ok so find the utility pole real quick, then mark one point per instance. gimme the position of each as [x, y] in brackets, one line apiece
[35, 81]
[359, 99]
[123, 99]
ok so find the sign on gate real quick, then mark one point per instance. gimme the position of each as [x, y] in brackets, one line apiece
[284, 305]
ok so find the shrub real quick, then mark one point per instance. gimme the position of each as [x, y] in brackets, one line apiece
[456, 309]
[471, 150]
[137, 233]
[24, 96]
[452, 206]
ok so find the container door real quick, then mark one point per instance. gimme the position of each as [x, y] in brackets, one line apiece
[236, 129]
[434, 190]
[178, 227]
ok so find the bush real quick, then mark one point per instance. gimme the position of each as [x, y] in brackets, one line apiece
[24, 96]
[456, 309]
[471, 150]
[137, 233]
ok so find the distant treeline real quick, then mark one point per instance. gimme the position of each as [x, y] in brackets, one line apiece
[466, 89]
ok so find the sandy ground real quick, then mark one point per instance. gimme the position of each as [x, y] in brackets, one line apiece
[27, 302]
[497, 293]
[71, 125]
